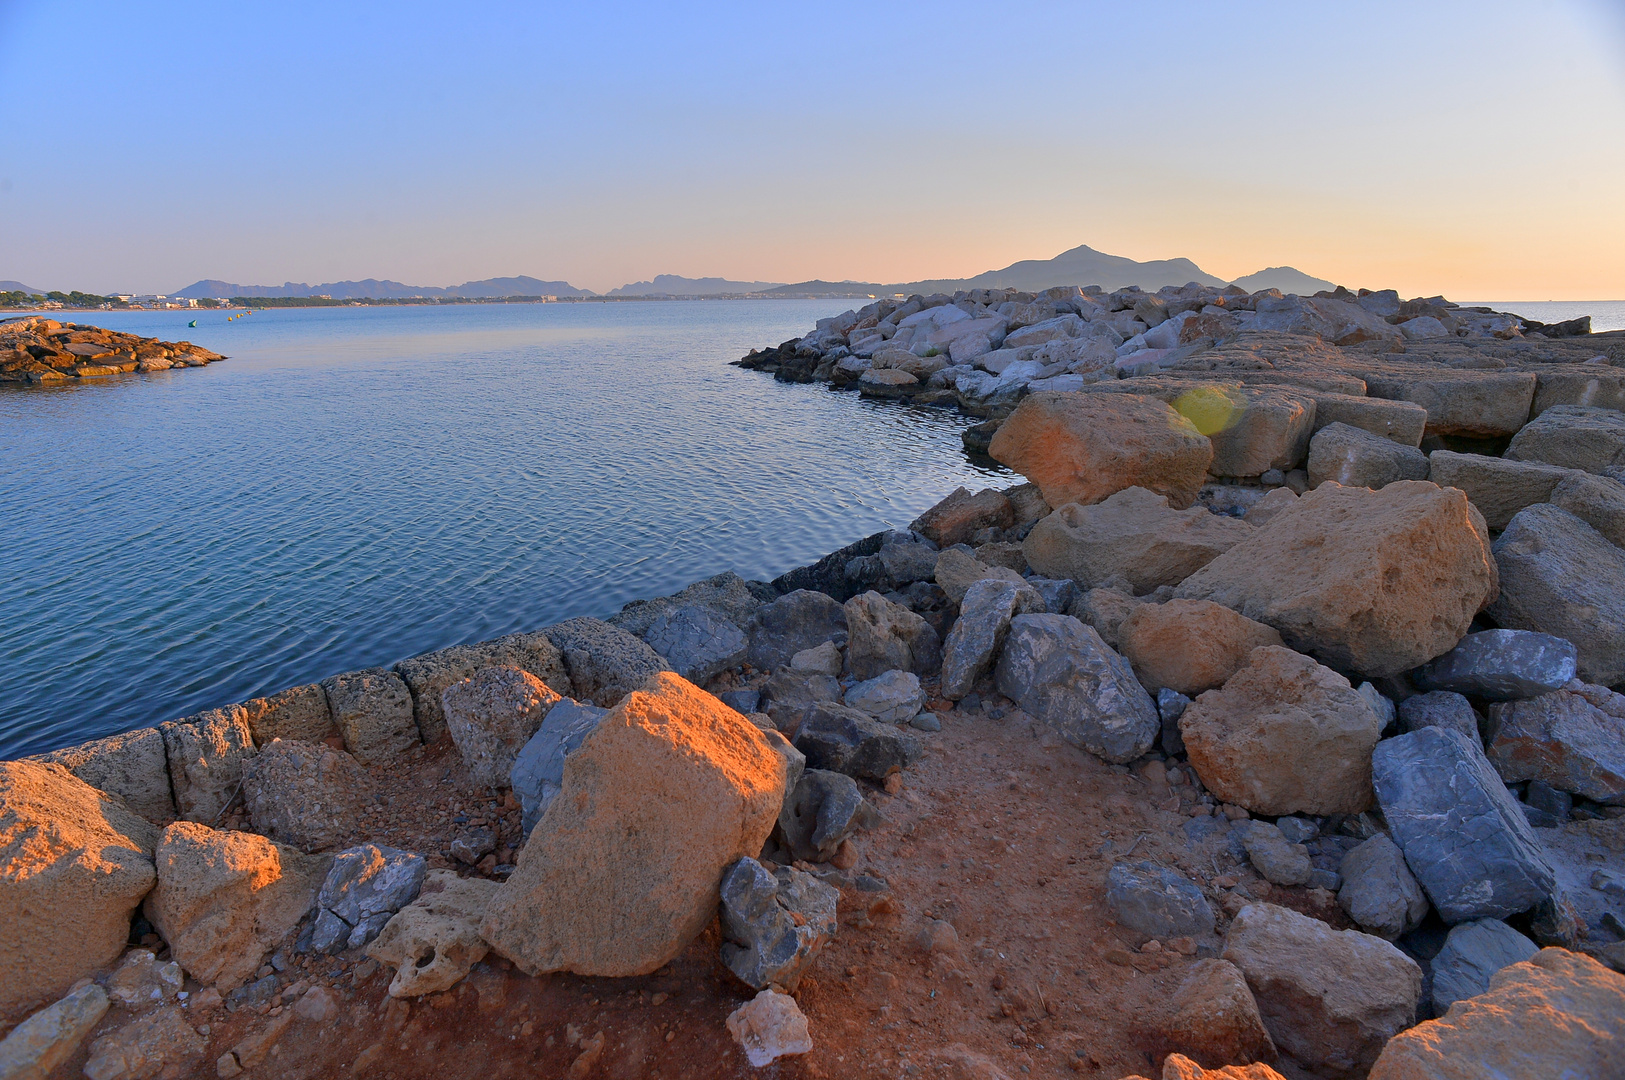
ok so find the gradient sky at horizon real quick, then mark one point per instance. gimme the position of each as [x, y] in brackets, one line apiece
[1473, 149]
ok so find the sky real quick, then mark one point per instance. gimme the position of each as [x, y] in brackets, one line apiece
[1474, 149]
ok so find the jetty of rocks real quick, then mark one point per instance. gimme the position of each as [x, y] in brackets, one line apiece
[38, 351]
[1270, 728]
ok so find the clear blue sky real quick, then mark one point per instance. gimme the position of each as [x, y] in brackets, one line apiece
[1476, 149]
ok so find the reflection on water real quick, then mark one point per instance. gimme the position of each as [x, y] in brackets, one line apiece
[358, 485]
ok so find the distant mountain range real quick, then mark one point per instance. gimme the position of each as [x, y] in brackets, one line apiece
[17, 286]
[373, 289]
[677, 285]
[1285, 278]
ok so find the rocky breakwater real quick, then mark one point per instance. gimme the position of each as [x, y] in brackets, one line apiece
[38, 351]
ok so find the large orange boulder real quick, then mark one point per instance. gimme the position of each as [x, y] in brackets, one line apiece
[1189, 645]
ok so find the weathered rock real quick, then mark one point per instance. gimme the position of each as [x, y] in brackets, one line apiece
[1560, 576]
[491, 716]
[958, 570]
[366, 885]
[1356, 458]
[299, 712]
[826, 659]
[980, 631]
[796, 621]
[1559, 1014]
[1329, 998]
[159, 1043]
[1373, 581]
[133, 766]
[74, 864]
[959, 517]
[1462, 832]
[1498, 487]
[892, 697]
[1132, 533]
[697, 642]
[434, 941]
[1253, 428]
[1572, 739]
[1156, 901]
[1062, 673]
[1081, 448]
[1215, 1019]
[1105, 609]
[788, 694]
[605, 662]
[1280, 861]
[1283, 736]
[1439, 708]
[141, 981]
[1171, 705]
[206, 755]
[726, 595]
[1473, 952]
[427, 676]
[1379, 892]
[1180, 1067]
[621, 872]
[1462, 402]
[1189, 645]
[884, 636]
[538, 770]
[34, 1048]
[904, 558]
[1401, 421]
[1596, 500]
[1271, 506]
[373, 711]
[769, 1026]
[1573, 437]
[1058, 594]
[821, 809]
[1501, 665]
[844, 740]
[225, 899]
[774, 923]
[308, 795]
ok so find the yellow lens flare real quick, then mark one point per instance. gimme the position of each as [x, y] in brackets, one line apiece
[1210, 408]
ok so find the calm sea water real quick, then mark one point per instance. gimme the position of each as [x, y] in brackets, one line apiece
[359, 485]
[1605, 314]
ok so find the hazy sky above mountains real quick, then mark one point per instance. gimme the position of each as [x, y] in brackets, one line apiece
[1473, 148]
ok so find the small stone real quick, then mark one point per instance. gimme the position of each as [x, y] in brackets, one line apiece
[822, 659]
[1440, 708]
[769, 1026]
[1297, 830]
[1472, 954]
[159, 1043]
[141, 981]
[434, 941]
[1280, 862]
[365, 887]
[1215, 1018]
[1379, 892]
[774, 923]
[926, 721]
[844, 740]
[937, 936]
[891, 698]
[1156, 901]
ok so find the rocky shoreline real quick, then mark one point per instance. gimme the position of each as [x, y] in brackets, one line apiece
[1133, 768]
[39, 351]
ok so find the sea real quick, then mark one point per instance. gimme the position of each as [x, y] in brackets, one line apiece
[354, 486]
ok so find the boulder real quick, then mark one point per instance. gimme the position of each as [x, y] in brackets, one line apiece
[427, 676]
[1596, 385]
[365, 886]
[887, 383]
[822, 809]
[1133, 533]
[1356, 458]
[774, 923]
[1462, 402]
[1379, 892]
[605, 662]
[1180, 1067]
[141, 981]
[798, 620]
[308, 795]
[225, 899]
[1498, 487]
[1596, 500]
[1253, 427]
[1081, 448]
[491, 716]
[726, 595]
[893, 697]
[906, 559]
[1284, 735]
[826, 659]
[883, 636]
[1156, 901]
[538, 769]
[161, 1043]
[435, 940]
[1330, 998]
[1501, 665]
[1439, 708]
[960, 516]
[1058, 594]
[957, 570]
[1473, 952]
[1560, 576]
[1189, 645]
[1270, 507]
[206, 754]
[1371, 581]
[34, 1048]
[1215, 1019]
[1280, 861]
[1558, 1014]
[621, 873]
[373, 711]
[1572, 739]
[133, 766]
[1063, 674]
[1462, 832]
[980, 631]
[769, 1026]
[846, 741]
[1105, 609]
[697, 642]
[788, 694]
[299, 712]
[1400, 421]
[74, 865]
[1573, 437]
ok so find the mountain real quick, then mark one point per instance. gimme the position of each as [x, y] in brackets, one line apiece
[17, 286]
[833, 288]
[374, 289]
[1286, 278]
[677, 285]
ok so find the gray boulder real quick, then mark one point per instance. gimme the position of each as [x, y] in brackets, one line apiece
[1379, 891]
[1573, 740]
[1596, 500]
[883, 636]
[774, 923]
[1279, 860]
[844, 740]
[1357, 458]
[1170, 707]
[820, 810]
[907, 558]
[1061, 672]
[1440, 708]
[132, 765]
[605, 663]
[980, 631]
[824, 659]
[1156, 901]
[1501, 665]
[1462, 832]
[697, 642]
[1058, 594]
[365, 886]
[1562, 577]
[788, 694]
[893, 697]
[538, 769]
[1472, 953]
[796, 621]
[1574, 437]
[727, 595]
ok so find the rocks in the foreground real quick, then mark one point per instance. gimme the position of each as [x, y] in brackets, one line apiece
[774, 923]
[428, 675]
[365, 887]
[1357, 458]
[621, 872]
[1156, 901]
[845, 740]
[1473, 952]
[769, 1026]
[698, 642]
[980, 631]
[1329, 998]
[1463, 834]
[1284, 735]
[1501, 665]
[305, 794]
[491, 716]
[132, 765]
[1379, 891]
[822, 809]
[1061, 672]
[161, 1043]
[1558, 1014]
[34, 1048]
[883, 636]
[1571, 739]
[893, 697]
[76, 864]
[435, 940]
[206, 754]
[605, 663]
[1439, 708]
[373, 711]
[1189, 645]
[538, 770]
[793, 623]
[1215, 1019]
[1371, 581]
